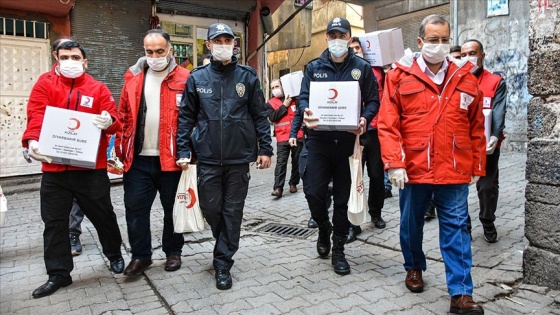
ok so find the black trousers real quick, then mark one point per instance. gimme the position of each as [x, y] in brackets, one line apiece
[372, 154]
[142, 182]
[91, 189]
[487, 187]
[222, 190]
[283, 151]
[326, 161]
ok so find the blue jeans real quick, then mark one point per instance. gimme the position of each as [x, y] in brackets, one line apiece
[454, 239]
[76, 218]
[141, 183]
[388, 184]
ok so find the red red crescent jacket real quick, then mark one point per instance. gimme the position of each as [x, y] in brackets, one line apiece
[283, 125]
[378, 72]
[171, 91]
[437, 138]
[55, 90]
[488, 84]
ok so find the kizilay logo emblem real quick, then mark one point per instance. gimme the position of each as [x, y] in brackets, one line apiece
[73, 125]
[188, 198]
[332, 95]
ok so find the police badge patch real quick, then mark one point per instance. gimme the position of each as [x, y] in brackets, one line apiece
[356, 74]
[240, 89]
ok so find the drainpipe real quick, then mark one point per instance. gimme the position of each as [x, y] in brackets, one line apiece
[455, 23]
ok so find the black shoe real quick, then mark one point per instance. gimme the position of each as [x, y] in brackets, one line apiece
[431, 213]
[338, 260]
[352, 232]
[324, 239]
[490, 234]
[388, 193]
[50, 287]
[311, 224]
[378, 222]
[117, 265]
[137, 266]
[223, 279]
[75, 244]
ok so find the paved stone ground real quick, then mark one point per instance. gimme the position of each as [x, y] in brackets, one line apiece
[272, 274]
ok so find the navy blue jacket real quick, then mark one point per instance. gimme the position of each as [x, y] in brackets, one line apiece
[323, 69]
[223, 115]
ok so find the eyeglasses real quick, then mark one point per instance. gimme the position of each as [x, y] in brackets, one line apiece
[435, 40]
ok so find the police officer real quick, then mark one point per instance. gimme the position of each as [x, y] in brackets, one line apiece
[329, 150]
[223, 102]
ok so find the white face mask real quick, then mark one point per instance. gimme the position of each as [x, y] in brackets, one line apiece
[277, 92]
[158, 64]
[338, 47]
[360, 55]
[71, 68]
[435, 53]
[222, 52]
[474, 61]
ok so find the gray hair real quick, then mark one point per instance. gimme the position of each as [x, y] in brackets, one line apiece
[432, 19]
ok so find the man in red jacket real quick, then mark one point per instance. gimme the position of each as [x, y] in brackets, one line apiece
[146, 144]
[281, 111]
[431, 131]
[73, 90]
[494, 90]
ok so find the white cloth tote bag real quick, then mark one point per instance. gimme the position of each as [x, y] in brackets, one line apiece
[357, 205]
[187, 215]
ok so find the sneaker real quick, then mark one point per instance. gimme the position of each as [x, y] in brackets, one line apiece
[75, 244]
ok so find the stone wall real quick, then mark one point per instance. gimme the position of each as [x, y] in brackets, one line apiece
[506, 44]
[541, 258]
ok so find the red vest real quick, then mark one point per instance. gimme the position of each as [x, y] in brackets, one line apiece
[378, 72]
[282, 127]
[488, 84]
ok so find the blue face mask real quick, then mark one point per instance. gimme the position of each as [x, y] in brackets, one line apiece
[338, 47]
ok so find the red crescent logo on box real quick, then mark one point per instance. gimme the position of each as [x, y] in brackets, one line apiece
[368, 43]
[73, 124]
[335, 94]
[193, 198]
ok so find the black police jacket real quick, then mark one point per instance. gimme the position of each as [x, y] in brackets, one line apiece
[353, 68]
[223, 115]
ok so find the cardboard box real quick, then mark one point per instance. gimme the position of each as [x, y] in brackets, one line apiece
[382, 47]
[336, 104]
[291, 83]
[69, 137]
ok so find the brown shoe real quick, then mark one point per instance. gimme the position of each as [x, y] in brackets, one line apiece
[277, 192]
[414, 280]
[137, 266]
[293, 189]
[464, 304]
[173, 263]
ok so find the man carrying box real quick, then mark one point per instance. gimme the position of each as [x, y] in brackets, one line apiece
[328, 151]
[281, 112]
[77, 91]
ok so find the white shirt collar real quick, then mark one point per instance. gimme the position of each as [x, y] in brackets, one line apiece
[436, 78]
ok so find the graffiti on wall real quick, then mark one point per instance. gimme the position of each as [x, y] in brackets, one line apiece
[506, 46]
